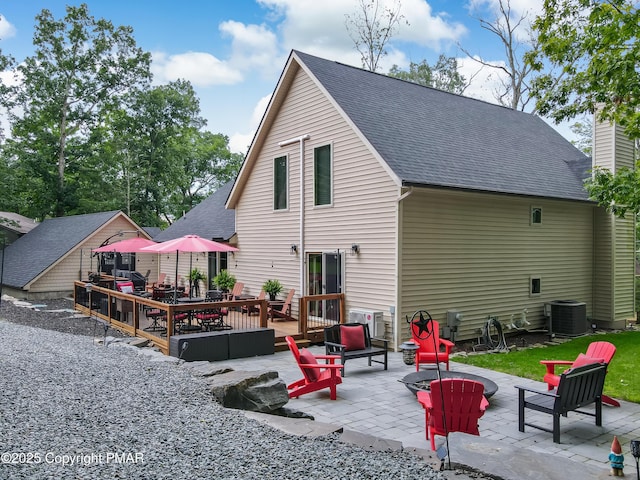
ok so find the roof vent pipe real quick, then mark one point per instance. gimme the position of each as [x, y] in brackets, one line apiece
[291, 141]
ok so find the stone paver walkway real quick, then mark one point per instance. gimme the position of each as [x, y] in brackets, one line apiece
[374, 402]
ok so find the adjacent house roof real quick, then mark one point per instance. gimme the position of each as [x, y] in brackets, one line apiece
[209, 219]
[152, 231]
[428, 137]
[47, 243]
[17, 223]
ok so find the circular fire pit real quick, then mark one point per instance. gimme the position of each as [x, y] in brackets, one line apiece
[421, 380]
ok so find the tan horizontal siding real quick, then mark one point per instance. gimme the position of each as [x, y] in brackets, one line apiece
[363, 209]
[624, 149]
[624, 269]
[60, 276]
[475, 253]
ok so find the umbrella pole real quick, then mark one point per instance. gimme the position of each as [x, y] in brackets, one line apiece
[175, 288]
[190, 264]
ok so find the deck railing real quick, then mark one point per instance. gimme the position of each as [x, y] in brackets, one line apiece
[128, 312]
[132, 313]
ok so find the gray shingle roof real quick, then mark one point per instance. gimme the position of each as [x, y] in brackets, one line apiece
[33, 253]
[209, 219]
[434, 138]
[17, 223]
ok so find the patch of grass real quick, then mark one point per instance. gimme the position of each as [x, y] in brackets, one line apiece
[623, 377]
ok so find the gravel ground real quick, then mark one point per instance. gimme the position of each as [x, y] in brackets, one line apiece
[117, 412]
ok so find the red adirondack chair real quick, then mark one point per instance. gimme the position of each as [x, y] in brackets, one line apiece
[317, 376]
[282, 310]
[597, 352]
[464, 404]
[427, 353]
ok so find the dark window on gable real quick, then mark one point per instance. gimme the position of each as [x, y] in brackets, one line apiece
[322, 175]
[536, 215]
[280, 183]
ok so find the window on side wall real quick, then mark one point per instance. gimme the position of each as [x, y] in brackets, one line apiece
[280, 184]
[322, 184]
[536, 215]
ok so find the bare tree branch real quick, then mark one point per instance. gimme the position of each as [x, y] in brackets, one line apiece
[371, 30]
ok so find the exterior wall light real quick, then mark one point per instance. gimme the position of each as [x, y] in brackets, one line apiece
[294, 249]
[355, 248]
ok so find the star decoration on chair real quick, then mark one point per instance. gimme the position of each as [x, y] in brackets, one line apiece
[422, 325]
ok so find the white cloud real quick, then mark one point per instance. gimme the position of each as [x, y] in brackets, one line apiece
[319, 28]
[426, 28]
[7, 30]
[523, 11]
[258, 111]
[200, 68]
[239, 142]
[11, 78]
[252, 46]
[518, 7]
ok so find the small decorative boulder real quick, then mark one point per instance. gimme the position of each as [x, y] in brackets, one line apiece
[261, 392]
[616, 458]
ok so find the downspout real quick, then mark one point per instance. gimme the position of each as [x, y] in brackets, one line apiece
[395, 315]
[301, 140]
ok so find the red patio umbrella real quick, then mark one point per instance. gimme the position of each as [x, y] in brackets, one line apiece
[130, 245]
[191, 244]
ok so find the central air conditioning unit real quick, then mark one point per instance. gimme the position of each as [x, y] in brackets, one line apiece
[569, 317]
[375, 320]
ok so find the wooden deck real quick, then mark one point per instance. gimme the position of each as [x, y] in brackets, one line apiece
[133, 315]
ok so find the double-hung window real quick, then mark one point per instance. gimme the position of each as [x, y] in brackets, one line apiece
[280, 184]
[322, 181]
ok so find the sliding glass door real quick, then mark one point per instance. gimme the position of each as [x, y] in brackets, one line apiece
[325, 275]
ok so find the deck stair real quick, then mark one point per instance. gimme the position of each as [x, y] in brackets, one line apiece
[281, 344]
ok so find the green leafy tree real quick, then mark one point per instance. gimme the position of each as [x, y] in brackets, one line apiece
[82, 69]
[444, 75]
[207, 164]
[597, 48]
[147, 148]
[583, 131]
[159, 156]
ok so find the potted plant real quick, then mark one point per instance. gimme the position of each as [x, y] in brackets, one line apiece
[272, 287]
[196, 276]
[224, 281]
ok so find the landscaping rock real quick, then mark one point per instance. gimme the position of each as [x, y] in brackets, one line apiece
[206, 369]
[254, 391]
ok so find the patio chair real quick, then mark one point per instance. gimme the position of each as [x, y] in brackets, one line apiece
[158, 319]
[316, 376]
[452, 405]
[238, 287]
[180, 319]
[426, 352]
[212, 319]
[160, 281]
[597, 352]
[282, 311]
[353, 340]
[254, 309]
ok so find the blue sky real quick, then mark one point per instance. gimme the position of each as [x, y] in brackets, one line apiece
[233, 51]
